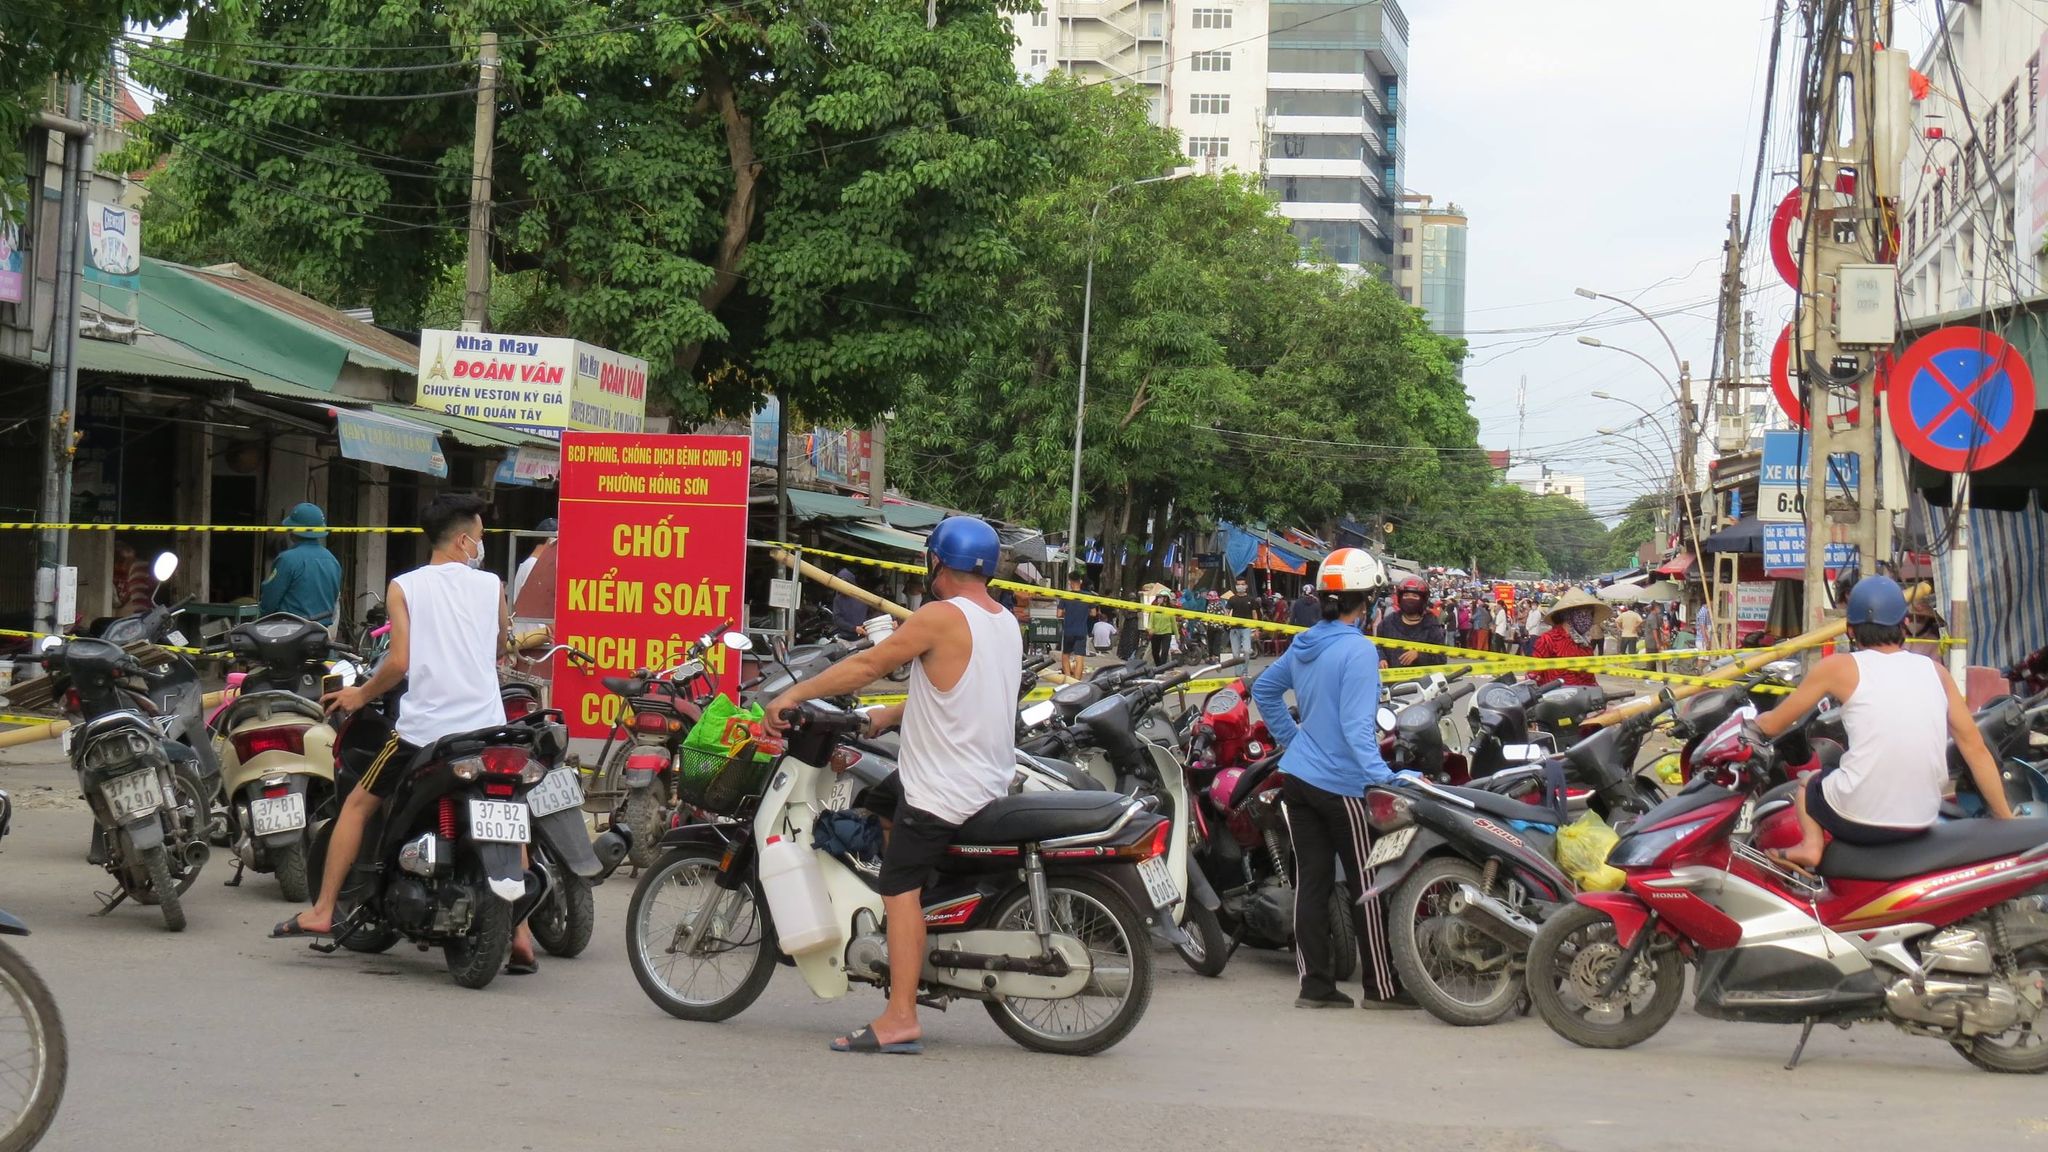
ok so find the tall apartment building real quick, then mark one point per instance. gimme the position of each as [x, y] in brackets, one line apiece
[1305, 93]
[1973, 204]
[1429, 261]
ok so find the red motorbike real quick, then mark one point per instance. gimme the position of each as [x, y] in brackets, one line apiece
[1945, 935]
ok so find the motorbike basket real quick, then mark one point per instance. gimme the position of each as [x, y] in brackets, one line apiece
[719, 783]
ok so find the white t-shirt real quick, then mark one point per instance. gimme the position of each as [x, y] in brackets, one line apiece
[520, 574]
[1895, 769]
[958, 749]
[453, 612]
[1105, 635]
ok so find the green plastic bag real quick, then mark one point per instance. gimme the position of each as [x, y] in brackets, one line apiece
[712, 777]
[1582, 848]
[721, 729]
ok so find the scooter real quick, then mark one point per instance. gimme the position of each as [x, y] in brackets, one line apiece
[1041, 909]
[1944, 935]
[276, 749]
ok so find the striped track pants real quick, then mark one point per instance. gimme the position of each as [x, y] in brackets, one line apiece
[1328, 828]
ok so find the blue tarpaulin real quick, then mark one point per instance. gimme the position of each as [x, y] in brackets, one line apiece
[390, 441]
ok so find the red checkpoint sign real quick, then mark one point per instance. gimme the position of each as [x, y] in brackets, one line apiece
[653, 551]
[1964, 401]
[1788, 396]
[1790, 209]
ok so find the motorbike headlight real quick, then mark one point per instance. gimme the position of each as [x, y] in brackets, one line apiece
[1644, 849]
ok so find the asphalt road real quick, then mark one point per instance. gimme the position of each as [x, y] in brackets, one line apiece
[221, 1039]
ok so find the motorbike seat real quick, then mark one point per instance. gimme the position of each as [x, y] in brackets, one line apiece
[625, 685]
[1034, 816]
[1944, 846]
[266, 705]
[1494, 804]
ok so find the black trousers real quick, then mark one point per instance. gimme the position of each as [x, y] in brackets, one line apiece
[1327, 828]
[1162, 646]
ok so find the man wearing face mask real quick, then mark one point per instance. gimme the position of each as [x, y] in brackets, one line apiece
[1574, 622]
[1414, 623]
[449, 625]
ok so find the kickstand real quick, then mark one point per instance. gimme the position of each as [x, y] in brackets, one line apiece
[235, 881]
[1799, 1049]
[109, 903]
[340, 932]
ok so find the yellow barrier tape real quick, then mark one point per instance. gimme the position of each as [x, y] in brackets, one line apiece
[26, 720]
[60, 636]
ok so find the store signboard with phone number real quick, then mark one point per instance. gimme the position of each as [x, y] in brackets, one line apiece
[1783, 476]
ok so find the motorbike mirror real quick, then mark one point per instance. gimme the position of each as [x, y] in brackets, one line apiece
[1386, 718]
[346, 672]
[165, 567]
[49, 643]
[1035, 714]
[738, 642]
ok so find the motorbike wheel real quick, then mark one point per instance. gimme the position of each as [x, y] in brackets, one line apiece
[1120, 949]
[1208, 947]
[157, 862]
[735, 955]
[1344, 958]
[1457, 973]
[290, 865]
[476, 959]
[1569, 961]
[370, 939]
[643, 816]
[563, 922]
[44, 1060]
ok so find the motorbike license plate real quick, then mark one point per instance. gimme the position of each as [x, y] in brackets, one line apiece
[1389, 848]
[1159, 883]
[64, 740]
[842, 793]
[557, 791]
[278, 814]
[499, 821]
[133, 794]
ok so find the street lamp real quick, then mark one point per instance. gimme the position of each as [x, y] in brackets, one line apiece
[1081, 393]
[1682, 392]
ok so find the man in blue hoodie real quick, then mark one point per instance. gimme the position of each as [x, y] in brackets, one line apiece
[1329, 759]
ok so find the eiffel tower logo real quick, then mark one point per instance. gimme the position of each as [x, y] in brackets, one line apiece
[438, 370]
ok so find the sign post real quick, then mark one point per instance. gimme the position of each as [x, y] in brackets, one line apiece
[652, 556]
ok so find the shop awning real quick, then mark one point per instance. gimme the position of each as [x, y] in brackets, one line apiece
[1256, 548]
[149, 356]
[809, 505]
[249, 325]
[882, 536]
[1678, 565]
[376, 438]
[913, 516]
[1744, 536]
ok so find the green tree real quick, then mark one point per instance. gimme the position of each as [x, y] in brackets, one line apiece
[1638, 527]
[42, 40]
[800, 197]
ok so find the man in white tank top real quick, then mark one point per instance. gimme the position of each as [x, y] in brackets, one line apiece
[449, 625]
[1899, 712]
[959, 741]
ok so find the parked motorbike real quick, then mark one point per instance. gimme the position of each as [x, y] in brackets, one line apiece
[441, 860]
[1419, 721]
[275, 747]
[1040, 911]
[36, 1052]
[147, 791]
[1944, 935]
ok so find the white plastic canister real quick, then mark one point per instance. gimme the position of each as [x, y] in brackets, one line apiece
[795, 888]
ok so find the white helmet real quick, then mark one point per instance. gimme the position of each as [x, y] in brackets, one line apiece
[1349, 570]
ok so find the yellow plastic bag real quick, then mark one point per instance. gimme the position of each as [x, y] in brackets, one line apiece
[1582, 848]
[1670, 770]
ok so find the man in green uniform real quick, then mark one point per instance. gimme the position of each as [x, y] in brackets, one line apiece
[305, 580]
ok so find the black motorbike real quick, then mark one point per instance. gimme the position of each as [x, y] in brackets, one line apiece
[1418, 730]
[442, 864]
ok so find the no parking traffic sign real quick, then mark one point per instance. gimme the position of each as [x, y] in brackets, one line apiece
[1962, 399]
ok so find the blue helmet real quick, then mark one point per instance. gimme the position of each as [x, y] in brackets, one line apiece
[1877, 600]
[964, 544]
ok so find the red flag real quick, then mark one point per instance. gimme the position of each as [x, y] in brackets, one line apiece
[1917, 81]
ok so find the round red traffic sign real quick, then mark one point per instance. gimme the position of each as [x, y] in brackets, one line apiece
[1787, 394]
[1789, 211]
[1965, 399]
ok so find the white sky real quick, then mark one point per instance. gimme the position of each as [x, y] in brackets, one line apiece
[1595, 143]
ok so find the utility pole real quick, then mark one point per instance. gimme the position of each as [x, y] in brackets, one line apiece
[879, 467]
[1844, 212]
[54, 544]
[1728, 390]
[476, 294]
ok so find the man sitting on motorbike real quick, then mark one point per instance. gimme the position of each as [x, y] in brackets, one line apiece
[1899, 712]
[449, 625]
[958, 749]
[1414, 623]
[1330, 757]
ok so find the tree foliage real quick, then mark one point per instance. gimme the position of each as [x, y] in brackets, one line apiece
[65, 40]
[755, 196]
[1225, 379]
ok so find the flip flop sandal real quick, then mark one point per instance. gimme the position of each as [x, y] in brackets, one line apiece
[863, 1040]
[522, 967]
[290, 929]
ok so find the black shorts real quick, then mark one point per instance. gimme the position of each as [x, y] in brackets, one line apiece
[1074, 645]
[369, 754]
[917, 843]
[1846, 830]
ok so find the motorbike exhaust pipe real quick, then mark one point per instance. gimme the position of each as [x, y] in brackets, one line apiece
[611, 849]
[1490, 915]
[196, 854]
